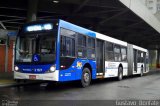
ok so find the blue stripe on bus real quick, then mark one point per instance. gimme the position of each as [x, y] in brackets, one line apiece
[76, 28]
[58, 50]
[37, 69]
[75, 71]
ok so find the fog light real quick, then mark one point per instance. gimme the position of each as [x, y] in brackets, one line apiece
[52, 68]
[16, 68]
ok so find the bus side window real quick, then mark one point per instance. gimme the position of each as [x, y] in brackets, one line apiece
[139, 57]
[67, 46]
[82, 46]
[124, 53]
[109, 54]
[67, 43]
[143, 57]
[62, 46]
[91, 48]
[117, 53]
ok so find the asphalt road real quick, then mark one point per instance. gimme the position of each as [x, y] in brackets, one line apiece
[130, 88]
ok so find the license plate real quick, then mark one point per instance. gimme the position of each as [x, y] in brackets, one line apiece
[32, 76]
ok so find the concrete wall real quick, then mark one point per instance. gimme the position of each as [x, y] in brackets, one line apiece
[158, 15]
[140, 10]
[3, 55]
[153, 59]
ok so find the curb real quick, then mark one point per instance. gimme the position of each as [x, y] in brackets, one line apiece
[153, 72]
[7, 85]
[18, 84]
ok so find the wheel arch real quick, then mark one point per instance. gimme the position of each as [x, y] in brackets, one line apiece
[87, 65]
[120, 65]
[142, 66]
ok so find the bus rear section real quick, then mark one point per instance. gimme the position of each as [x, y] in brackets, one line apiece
[116, 58]
[138, 60]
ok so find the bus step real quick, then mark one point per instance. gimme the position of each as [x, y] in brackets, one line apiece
[100, 76]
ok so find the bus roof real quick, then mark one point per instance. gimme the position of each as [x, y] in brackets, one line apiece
[88, 32]
[82, 30]
[110, 39]
[139, 48]
[76, 28]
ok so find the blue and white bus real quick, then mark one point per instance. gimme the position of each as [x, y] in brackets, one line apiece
[56, 50]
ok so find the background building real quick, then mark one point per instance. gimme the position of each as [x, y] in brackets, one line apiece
[6, 51]
[153, 6]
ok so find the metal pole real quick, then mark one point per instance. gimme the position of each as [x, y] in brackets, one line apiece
[6, 55]
[32, 10]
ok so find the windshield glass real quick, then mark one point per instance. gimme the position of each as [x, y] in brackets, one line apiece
[42, 45]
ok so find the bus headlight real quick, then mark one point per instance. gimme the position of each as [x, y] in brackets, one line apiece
[16, 68]
[52, 68]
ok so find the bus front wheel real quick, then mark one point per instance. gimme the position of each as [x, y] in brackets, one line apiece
[86, 78]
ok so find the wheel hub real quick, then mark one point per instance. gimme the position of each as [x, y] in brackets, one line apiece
[86, 77]
[120, 75]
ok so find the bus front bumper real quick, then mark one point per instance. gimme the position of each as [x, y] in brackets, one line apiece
[31, 76]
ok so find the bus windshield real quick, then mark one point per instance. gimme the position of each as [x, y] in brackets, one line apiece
[42, 45]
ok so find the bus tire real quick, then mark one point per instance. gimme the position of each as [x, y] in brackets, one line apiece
[120, 73]
[85, 78]
[141, 74]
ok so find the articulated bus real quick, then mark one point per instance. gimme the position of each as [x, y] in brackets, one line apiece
[56, 50]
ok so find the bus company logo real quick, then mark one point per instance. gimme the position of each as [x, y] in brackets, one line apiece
[79, 65]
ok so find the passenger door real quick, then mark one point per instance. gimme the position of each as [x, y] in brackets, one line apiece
[144, 58]
[135, 60]
[100, 57]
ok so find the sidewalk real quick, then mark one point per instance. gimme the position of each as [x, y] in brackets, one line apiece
[7, 83]
[154, 71]
[6, 79]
